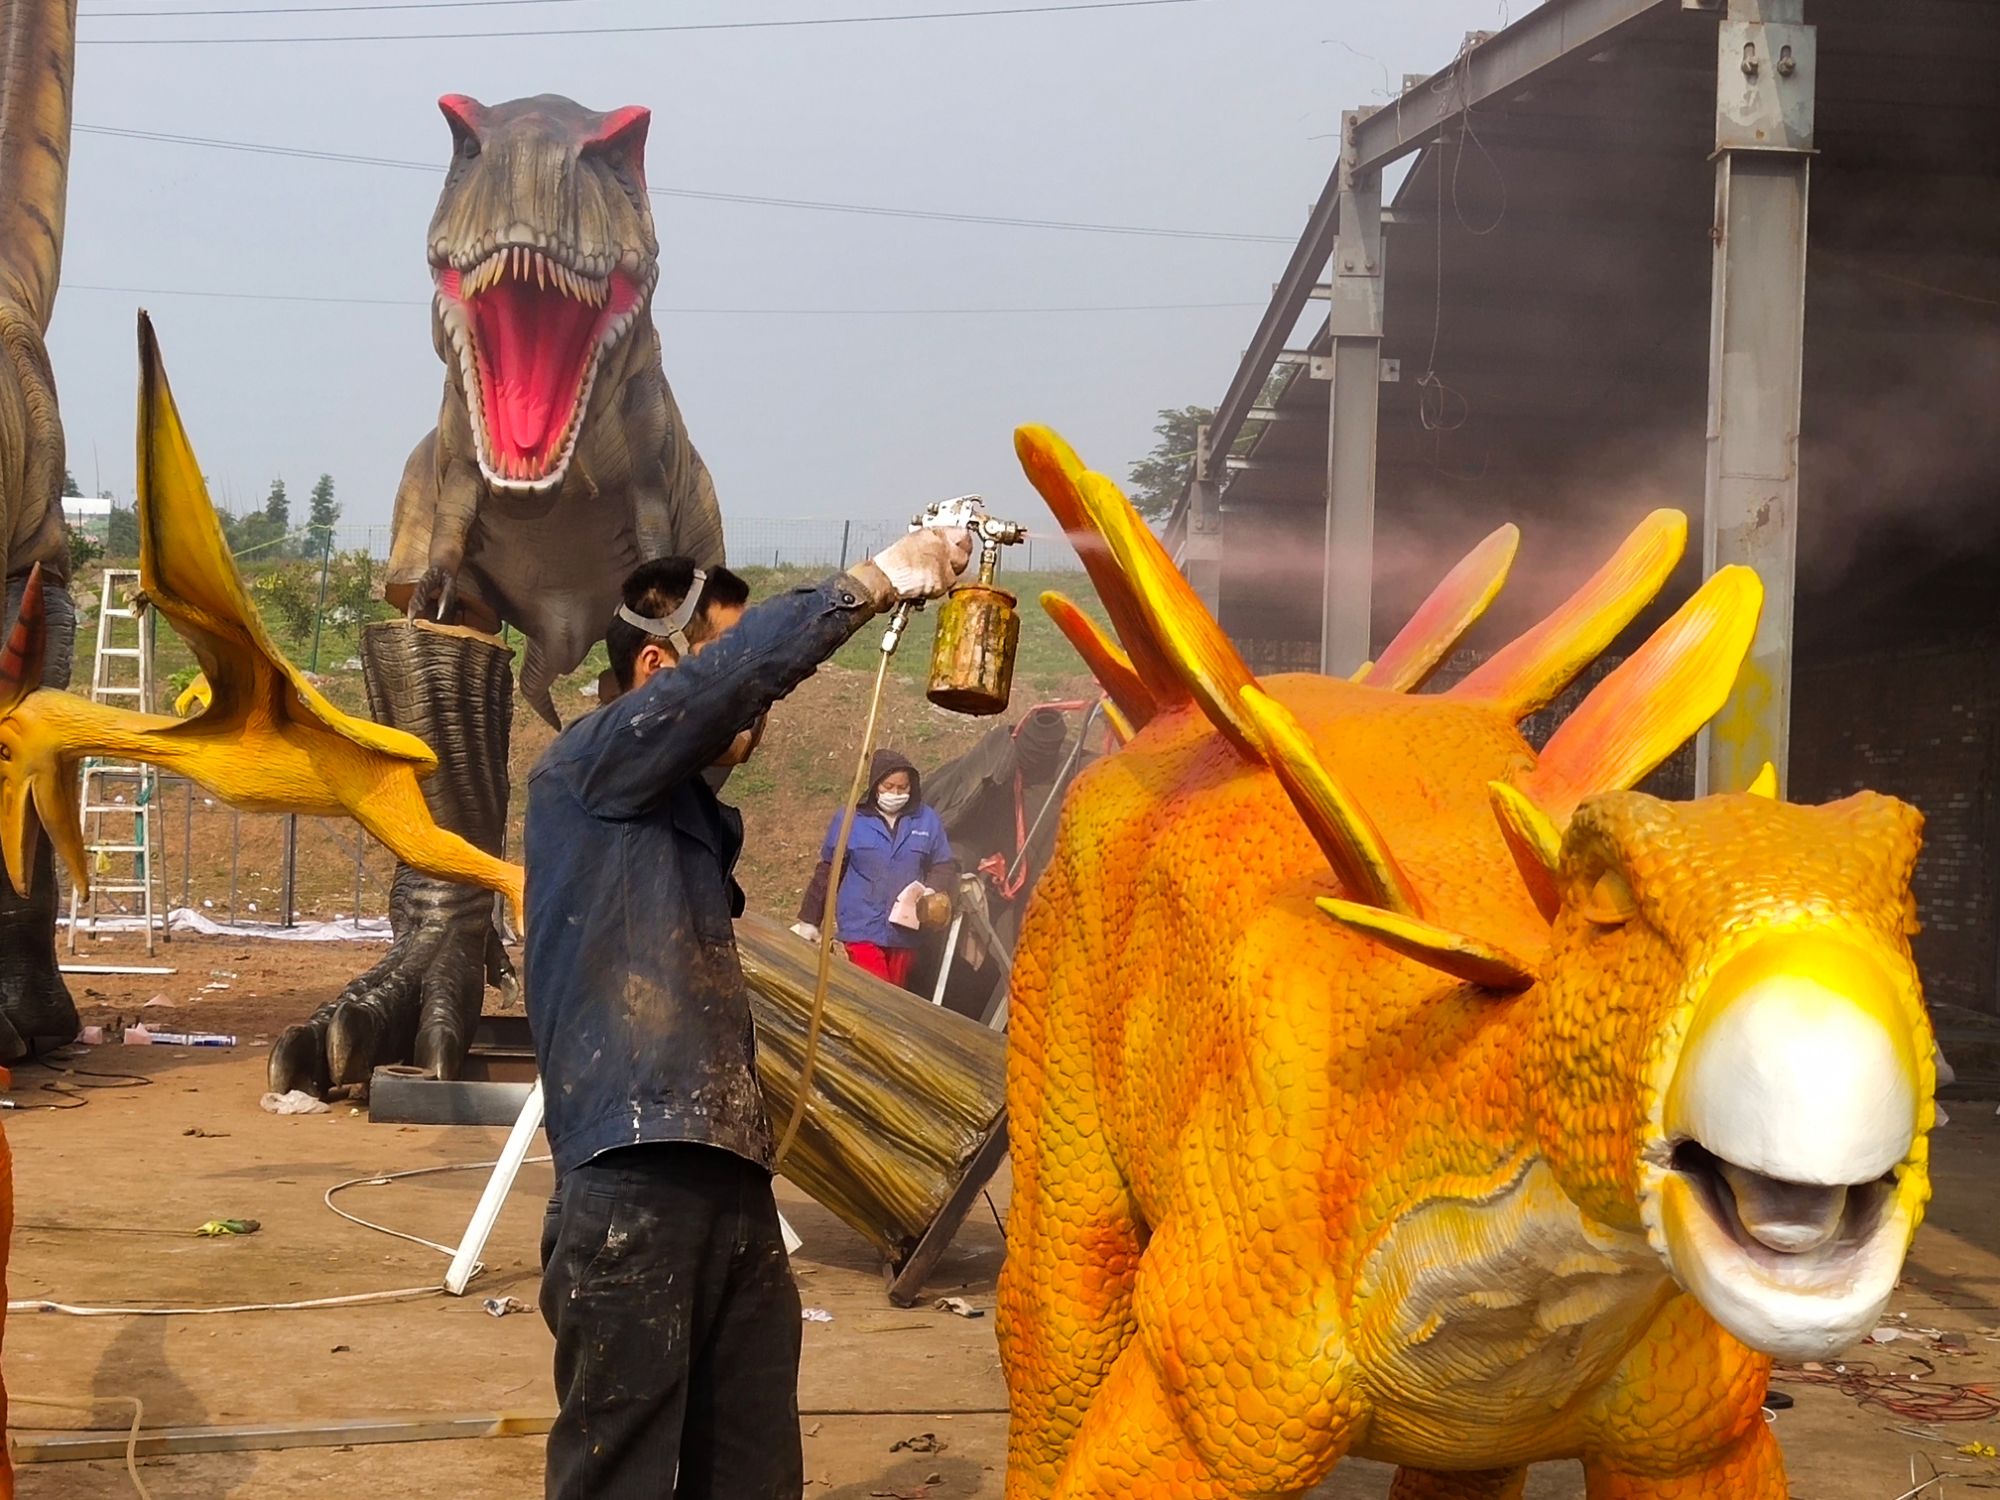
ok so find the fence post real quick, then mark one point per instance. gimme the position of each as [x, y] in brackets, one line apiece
[845, 527]
[319, 615]
[288, 884]
[187, 850]
[235, 857]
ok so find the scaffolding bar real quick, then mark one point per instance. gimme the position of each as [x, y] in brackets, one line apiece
[1764, 125]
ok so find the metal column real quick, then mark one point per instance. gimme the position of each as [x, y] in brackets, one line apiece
[1355, 321]
[1763, 137]
[1203, 555]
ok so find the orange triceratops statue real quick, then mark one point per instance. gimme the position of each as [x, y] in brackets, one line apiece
[1379, 1086]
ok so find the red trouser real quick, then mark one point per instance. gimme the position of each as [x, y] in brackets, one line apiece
[892, 964]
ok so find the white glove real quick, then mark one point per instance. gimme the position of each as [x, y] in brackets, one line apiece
[926, 563]
[807, 931]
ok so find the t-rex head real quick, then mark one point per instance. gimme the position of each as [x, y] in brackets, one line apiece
[544, 257]
[1746, 964]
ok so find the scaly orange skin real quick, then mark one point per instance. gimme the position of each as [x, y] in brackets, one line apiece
[1228, 1114]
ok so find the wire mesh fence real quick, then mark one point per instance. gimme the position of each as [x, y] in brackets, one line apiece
[751, 542]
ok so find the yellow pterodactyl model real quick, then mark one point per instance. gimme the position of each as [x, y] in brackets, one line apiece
[266, 740]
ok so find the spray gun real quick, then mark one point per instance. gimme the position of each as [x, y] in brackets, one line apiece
[978, 629]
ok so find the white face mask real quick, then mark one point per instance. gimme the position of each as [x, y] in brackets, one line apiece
[892, 802]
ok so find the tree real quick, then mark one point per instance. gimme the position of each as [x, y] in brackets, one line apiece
[1158, 479]
[325, 514]
[121, 537]
[277, 511]
[83, 549]
[70, 487]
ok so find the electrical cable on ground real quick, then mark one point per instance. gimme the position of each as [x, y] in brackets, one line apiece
[383, 1179]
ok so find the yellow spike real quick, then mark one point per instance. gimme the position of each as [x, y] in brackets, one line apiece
[1453, 608]
[1353, 845]
[1177, 623]
[1054, 469]
[1527, 673]
[1121, 727]
[1535, 842]
[1111, 667]
[1656, 699]
[1453, 953]
[1765, 784]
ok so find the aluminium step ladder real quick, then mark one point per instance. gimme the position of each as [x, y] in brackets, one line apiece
[118, 797]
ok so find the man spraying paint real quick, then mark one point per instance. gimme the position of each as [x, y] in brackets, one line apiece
[665, 1279]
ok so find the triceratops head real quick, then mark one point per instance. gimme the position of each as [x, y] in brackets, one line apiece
[543, 253]
[1736, 1051]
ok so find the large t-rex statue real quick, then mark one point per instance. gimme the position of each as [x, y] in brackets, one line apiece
[558, 464]
[1380, 1086]
[37, 57]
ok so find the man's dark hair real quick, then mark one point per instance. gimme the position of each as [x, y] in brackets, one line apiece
[655, 589]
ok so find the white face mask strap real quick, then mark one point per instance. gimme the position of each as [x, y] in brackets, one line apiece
[674, 626]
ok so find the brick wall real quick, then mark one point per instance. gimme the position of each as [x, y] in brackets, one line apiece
[1920, 724]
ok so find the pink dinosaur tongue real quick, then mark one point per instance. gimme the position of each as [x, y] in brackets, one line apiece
[534, 346]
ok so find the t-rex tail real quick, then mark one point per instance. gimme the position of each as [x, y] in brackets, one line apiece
[37, 70]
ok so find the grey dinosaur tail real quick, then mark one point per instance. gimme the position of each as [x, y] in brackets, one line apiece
[536, 679]
[37, 71]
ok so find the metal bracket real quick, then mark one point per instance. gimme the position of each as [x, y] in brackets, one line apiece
[1320, 367]
[1764, 86]
[1392, 372]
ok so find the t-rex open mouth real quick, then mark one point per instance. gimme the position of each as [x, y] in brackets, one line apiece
[530, 332]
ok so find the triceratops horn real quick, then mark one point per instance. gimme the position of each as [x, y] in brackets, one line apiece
[21, 660]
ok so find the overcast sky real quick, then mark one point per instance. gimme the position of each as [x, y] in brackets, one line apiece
[804, 395]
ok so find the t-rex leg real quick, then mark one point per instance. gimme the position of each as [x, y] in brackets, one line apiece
[453, 689]
[1752, 1468]
[34, 1002]
[1485, 1484]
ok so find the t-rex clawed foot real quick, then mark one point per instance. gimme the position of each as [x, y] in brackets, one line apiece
[34, 1002]
[419, 1005]
[453, 689]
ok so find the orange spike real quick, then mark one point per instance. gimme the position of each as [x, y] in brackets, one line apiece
[1454, 953]
[21, 658]
[1111, 667]
[1453, 608]
[1172, 618]
[1353, 845]
[1657, 698]
[1535, 842]
[1054, 469]
[1526, 674]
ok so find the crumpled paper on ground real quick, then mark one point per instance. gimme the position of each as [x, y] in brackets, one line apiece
[297, 1102]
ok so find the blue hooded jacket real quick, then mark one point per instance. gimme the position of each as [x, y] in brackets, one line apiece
[881, 861]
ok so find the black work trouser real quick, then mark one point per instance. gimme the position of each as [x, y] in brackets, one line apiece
[666, 1284]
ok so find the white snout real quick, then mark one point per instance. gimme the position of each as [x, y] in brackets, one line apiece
[1800, 1078]
[1790, 1122]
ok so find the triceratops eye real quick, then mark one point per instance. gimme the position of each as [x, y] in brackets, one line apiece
[1610, 902]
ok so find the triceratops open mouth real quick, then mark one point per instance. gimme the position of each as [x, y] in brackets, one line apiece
[530, 331]
[1789, 1173]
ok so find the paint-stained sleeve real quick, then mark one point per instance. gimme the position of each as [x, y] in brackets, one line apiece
[624, 759]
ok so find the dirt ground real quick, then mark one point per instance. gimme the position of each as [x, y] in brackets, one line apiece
[108, 1196]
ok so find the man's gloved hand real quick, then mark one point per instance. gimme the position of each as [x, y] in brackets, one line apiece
[926, 563]
[807, 931]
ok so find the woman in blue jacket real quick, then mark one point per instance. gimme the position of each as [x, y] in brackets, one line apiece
[897, 840]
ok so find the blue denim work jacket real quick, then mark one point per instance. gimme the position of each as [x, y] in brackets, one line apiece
[635, 995]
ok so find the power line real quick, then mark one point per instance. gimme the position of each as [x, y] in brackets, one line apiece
[758, 200]
[729, 312]
[316, 10]
[679, 26]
